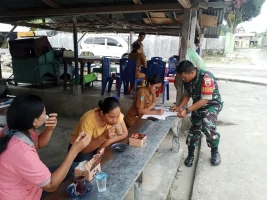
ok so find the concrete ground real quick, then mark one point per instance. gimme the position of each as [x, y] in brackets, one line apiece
[242, 174]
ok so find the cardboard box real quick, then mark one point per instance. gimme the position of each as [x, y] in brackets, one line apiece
[88, 174]
[137, 139]
[89, 168]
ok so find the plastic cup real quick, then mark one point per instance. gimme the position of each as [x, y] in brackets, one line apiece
[101, 181]
[118, 129]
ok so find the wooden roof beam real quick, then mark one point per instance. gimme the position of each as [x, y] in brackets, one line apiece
[185, 3]
[32, 25]
[138, 2]
[173, 19]
[215, 5]
[51, 3]
[93, 10]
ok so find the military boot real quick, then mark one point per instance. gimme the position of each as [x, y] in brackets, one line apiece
[215, 157]
[190, 158]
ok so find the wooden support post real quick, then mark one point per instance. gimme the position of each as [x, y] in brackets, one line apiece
[201, 43]
[81, 37]
[183, 50]
[65, 75]
[193, 28]
[0, 68]
[75, 39]
[131, 41]
[185, 33]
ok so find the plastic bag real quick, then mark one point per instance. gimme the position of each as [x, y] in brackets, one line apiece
[193, 57]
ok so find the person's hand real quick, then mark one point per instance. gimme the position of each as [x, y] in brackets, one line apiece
[176, 109]
[51, 122]
[109, 133]
[160, 112]
[181, 114]
[81, 142]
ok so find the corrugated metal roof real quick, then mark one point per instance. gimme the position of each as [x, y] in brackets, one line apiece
[213, 32]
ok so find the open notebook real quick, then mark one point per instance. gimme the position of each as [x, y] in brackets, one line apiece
[162, 117]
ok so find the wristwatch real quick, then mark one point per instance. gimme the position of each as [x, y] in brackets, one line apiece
[187, 111]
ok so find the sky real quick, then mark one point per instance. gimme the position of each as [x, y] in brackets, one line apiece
[7, 27]
[257, 24]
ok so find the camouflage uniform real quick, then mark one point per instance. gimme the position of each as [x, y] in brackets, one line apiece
[204, 86]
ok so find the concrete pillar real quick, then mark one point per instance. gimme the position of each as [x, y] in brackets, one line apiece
[76, 90]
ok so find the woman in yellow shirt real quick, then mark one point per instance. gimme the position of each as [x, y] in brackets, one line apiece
[98, 124]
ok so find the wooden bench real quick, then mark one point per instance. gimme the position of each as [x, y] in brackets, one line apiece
[125, 169]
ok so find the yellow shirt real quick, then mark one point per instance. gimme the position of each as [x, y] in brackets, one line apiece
[89, 125]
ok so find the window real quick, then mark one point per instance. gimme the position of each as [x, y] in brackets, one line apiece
[89, 41]
[112, 42]
[99, 41]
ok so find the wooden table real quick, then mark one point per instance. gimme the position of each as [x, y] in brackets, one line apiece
[82, 60]
[125, 169]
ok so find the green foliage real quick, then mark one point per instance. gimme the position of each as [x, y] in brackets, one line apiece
[251, 9]
[242, 10]
[225, 29]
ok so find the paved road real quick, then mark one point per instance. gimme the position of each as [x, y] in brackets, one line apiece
[242, 174]
[256, 72]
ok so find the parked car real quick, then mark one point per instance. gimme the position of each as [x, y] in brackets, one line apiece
[109, 46]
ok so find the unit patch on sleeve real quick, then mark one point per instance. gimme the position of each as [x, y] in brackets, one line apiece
[207, 87]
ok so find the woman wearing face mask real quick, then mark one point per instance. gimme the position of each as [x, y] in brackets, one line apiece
[23, 175]
[145, 101]
[98, 124]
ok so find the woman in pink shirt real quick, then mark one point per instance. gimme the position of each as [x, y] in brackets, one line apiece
[23, 175]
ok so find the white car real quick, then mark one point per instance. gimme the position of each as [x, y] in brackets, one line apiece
[109, 46]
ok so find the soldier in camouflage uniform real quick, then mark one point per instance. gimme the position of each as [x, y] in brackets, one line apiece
[202, 87]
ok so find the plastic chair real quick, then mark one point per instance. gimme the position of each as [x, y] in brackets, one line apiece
[172, 62]
[156, 58]
[107, 78]
[127, 74]
[159, 67]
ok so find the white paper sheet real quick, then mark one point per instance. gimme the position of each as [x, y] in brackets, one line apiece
[162, 117]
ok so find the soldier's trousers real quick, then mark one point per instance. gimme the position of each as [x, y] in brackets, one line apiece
[204, 121]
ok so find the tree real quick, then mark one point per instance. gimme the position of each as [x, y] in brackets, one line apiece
[224, 29]
[241, 11]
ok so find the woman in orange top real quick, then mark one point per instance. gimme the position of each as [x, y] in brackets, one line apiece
[138, 55]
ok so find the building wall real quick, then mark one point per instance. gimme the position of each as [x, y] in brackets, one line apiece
[214, 43]
[242, 41]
